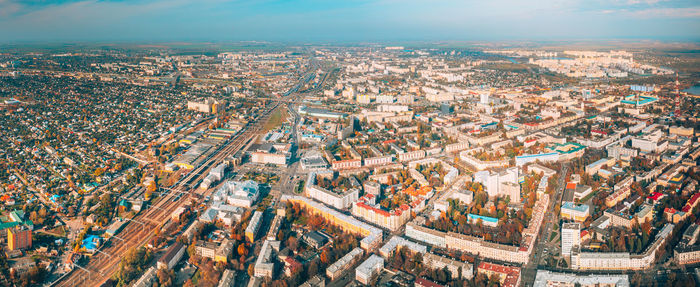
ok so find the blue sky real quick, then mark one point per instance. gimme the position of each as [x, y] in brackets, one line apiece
[347, 20]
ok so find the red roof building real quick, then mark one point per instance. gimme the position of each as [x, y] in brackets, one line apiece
[508, 276]
[655, 196]
[420, 282]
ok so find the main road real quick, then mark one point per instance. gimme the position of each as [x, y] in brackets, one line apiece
[551, 219]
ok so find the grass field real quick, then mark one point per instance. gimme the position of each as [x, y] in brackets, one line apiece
[553, 236]
[587, 197]
[277, 118]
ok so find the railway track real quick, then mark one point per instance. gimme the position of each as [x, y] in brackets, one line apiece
[139, 230]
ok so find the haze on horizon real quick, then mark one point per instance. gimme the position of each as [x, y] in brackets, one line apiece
[346, 21]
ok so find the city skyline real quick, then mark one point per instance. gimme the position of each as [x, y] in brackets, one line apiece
[277, 143]
[346, 21]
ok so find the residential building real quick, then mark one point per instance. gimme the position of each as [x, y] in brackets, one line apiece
[687, 251]
[372, 235]
[208, 106]
[594, 167]
[172, 256]
[147, 279]
[681, 131]
[570, 237]
[217, 252]
[503, 183]
[336, 269]
[456, 267]
[411, 155]
[19, 237]
[264, 264]
[393, 219]
[339, 200]
[205, 249]
[546, 278]
[366, 271]
[397, 242]
[427, 235]
[621, 260]
[316, 281]
[507, 276]
[372, 187]
[253, 226]
[228, 278]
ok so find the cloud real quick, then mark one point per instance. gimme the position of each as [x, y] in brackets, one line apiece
[8, 7]
[650, 13]
[67, 20]
[648, 2]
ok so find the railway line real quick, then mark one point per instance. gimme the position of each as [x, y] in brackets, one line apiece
[141, 229]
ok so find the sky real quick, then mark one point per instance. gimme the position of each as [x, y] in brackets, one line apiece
[346, 20]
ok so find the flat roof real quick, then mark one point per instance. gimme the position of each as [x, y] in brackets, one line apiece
[572, 206]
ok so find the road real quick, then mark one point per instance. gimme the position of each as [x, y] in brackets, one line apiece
[530, 270]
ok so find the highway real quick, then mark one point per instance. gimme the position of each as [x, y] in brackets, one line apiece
[139, 230]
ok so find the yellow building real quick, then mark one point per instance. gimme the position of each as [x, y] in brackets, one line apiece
[574, 212]
[19, 238]
[681, 131]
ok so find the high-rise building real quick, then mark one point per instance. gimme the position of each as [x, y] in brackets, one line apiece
[500, 183]
[19, 238]
[484, 99]
[570, 237]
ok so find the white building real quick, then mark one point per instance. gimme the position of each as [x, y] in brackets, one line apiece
[237, 193]
[147, 279]
[338, 200]
[337, 268]
[264, 264]
[501, 183]
[427, 235]
[650, 142]
[313, 161]
[546, 278]
[397, 242]
[368, 269]
[570, 237]
[384, 99]
[278, 154]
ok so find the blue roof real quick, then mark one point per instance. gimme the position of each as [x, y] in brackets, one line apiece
[572, 206]
[537, 155]
[91, 242]
[640, 100]
[598, 162]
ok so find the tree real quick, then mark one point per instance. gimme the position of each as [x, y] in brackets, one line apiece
[166, 277]
[325, 257]
[251, 270]
[242, 250]
[313, 269]
[292, 243]
[150, 189]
